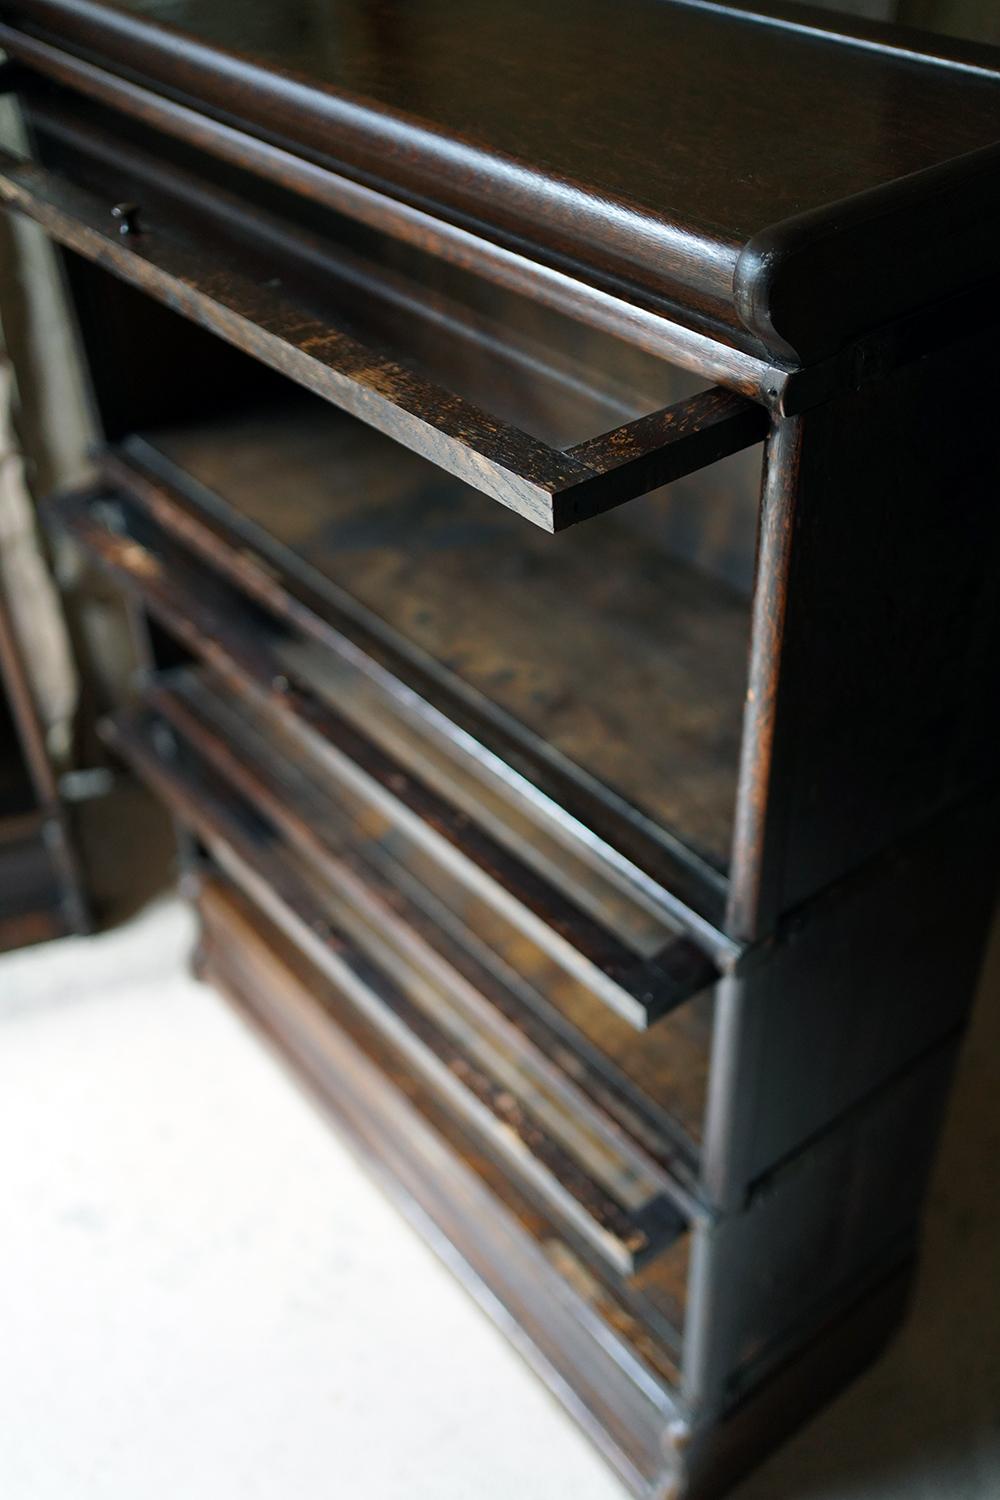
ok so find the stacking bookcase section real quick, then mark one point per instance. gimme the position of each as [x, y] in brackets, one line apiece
[570, 1324]
[350, 316]
[283, 749]
[488, 1062]
[654, 1093]
[605, 670]
[500, 781]
[594, 882]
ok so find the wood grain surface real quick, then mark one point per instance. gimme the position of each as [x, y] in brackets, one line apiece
[651, 171]
[624, 661]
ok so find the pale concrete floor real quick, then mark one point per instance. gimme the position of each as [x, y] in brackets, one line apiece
[202, 1298]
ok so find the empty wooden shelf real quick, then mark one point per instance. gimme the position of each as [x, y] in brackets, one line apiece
[639, 971]
[620, 892]
[496, 615]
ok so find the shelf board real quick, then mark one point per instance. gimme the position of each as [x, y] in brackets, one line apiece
[489, 1072]
[248, 646]
[651, 1085]
[617, 671]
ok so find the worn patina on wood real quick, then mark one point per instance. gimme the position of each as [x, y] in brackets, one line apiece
[620, 893]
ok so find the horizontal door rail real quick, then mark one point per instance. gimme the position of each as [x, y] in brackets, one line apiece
[627, 1226]
[361, 858]
[216, 625]
[552, 487]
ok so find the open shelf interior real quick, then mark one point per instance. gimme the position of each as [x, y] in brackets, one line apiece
[254, 645]
[597, 663]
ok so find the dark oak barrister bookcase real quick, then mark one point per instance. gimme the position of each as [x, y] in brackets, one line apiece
[41, 895]
[620, 891]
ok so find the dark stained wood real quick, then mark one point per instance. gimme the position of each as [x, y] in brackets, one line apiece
[713, 358]
[303, 1017]
[492, 114]
[758, 831]
[214, 286]
[467, 807]
[206, 617]
[306, 349]
[512, 1259]
[877, 629]
[824, 1226]
[296, 581]
[850, 1341]
[626, 1307]
[394, 296]
[646, 1311]
[505, 614]
[580, 1169]
[666, 445]
[653, 1087]
[907, 933]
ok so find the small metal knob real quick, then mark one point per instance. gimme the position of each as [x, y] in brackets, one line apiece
[127, 216]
